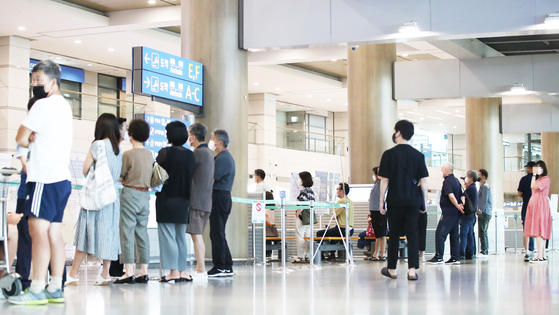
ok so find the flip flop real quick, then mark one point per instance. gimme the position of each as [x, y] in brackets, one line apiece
[387, 274]
[413, 278]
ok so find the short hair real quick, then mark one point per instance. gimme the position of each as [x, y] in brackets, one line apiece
[121, 122]
[375, 170]
[449, 166]
[473, 175]
[199, 131]
[306, 179]
[531, 164]
[50, 68]
[542, 164]
[176, 133]
[405, 128]
[484, 173]
[31, 102]
[260, 173]
[139, 130]
[345, 187]
[107, 127]
[222, 136]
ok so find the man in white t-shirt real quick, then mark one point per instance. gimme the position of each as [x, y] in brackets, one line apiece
[261, 186]
[47, 132]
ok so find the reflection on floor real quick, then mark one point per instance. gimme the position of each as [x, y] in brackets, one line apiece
[502, 284]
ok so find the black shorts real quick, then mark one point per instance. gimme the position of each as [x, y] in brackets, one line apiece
[47, 201]
[379, 223]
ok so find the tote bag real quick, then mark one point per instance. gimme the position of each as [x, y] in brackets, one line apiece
[98, 189]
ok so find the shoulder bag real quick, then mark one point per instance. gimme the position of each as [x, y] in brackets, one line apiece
[468, 206]
[98, 189]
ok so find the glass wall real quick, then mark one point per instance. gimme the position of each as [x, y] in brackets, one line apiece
[108, 89]
[68, 89]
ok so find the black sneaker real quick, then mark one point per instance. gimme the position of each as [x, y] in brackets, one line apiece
[452, 261]
[435, 261]
[526, 258]
[216, 273]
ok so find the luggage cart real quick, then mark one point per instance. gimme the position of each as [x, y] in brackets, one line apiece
[10, 283]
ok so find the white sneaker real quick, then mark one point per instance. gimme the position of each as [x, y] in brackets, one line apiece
[199, 275]
[480, 255]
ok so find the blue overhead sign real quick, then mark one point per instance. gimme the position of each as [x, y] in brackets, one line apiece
[173, 66]
[168, 78]
[66, 73]
[171, 88]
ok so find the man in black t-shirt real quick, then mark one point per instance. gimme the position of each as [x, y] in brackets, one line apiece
[449, 223]
[525, 191]
[402, 169]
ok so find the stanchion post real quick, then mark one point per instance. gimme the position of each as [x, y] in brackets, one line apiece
[283, 230]
[496, 232]
[311, 238]
[515, 233]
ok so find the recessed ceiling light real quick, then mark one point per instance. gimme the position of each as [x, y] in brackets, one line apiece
[518, 87]
[21, 28]
[401, 114]
[461, 116]
[277, 89]
[457, 111]
[421, 118]
[57, 58]
[440, 124]
[151, 1]
[89, 65]
[328, 100]
[256, 83]
[67, 95]
[409, 27]
[309, 95]
[334, 60]
[346, 104]
[111, 49]
[454, 127]
[78, 41]
[552, 18]
[442, 111]
[405, 55]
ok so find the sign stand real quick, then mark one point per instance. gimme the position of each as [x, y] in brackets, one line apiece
[283, 231]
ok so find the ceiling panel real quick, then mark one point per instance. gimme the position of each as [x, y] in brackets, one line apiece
[334, 68]
[120, 5]
[524, 45]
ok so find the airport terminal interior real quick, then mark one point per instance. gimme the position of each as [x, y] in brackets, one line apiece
[301, 87]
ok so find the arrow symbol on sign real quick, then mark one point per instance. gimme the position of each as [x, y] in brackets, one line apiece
[146, 58]
[148, 82]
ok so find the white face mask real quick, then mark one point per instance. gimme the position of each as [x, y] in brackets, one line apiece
[125, 135]
[466, 180]
[374, 178]
[539, 171]
[211, 145]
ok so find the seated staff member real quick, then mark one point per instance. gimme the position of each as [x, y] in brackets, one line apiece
[378, 220]
[173, 203]
[137, 166]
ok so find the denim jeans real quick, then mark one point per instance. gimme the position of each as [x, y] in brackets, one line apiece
[483, 225]
[467, 237]
[448, 224]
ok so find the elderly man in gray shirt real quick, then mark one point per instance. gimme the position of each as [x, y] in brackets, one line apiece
[201, 194]
[224, 175]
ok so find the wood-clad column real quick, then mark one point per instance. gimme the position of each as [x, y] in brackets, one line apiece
[550, 155]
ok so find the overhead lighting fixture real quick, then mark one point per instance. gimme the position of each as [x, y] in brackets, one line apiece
[111, 49]
[256, 83]
[401, 114]
[457, 111]
[333, 60]
[454, 127]
[57, 58]
[518, 88]
[460, 116]
[432, 117]
[309, 95]
[151, 1]
[442, 111]
[78, 41]
[328, 100]
[346, 104]
[552, 19]
[405, 55]
[67, 95]
[294, 119]
[277, 89]
[409, 27]
[89, 65]
[414, 113]
[440, 124]
[421, 118]
[21, 28]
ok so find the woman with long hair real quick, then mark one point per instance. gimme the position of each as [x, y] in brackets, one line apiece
[538, 214]
[303, 220]
[97, 232]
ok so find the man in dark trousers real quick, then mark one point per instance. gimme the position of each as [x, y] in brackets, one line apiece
[525, 191]
[224, 175]
[402, 168]
[449, 223]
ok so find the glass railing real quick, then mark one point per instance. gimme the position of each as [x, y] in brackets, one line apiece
[438, 159]
[302, 140]
[514, 163]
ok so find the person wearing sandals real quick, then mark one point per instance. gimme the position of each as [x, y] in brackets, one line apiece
[97, 232]
[538, 214]
[378, 220]
[302, 219]
[173, 203]
[137, 167]
[402, 168]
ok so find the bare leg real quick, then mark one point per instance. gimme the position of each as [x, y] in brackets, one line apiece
[541, 245]
[411, 272]
[199, 252]
[128, 271]
[383, 246]
[79, 256]
[57, 250]
[143, 270]
[375, 254]
[39, 232]
[173, 274]
[526, 242]
[12, 243]
[106, 266]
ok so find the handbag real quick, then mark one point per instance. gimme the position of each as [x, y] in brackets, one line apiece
[272, 231]
[98, 189]
[370, 231]
[158, 176]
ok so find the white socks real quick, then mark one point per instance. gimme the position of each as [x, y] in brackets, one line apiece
[55, 284]
[37, 286]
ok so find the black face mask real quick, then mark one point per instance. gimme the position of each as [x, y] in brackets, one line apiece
[394, 137]
[39, 92]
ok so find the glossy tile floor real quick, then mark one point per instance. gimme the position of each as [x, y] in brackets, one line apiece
[502, 284]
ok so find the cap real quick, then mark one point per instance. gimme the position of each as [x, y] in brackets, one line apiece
[463, 178]
[530, 164]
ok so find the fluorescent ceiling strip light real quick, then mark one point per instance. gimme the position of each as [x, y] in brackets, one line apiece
[418, 114]
[442, 111]
[459, 116]
[437, 118]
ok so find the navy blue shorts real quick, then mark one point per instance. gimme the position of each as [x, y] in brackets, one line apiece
[47, 201]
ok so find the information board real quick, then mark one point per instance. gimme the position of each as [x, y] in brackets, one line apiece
[171, 65]
[157, 134]
[171, 88]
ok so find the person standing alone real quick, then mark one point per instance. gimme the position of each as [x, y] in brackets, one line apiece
[47, 132]
[402, 168]
[224, 175]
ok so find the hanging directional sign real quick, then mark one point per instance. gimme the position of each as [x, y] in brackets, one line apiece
[168, 78]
